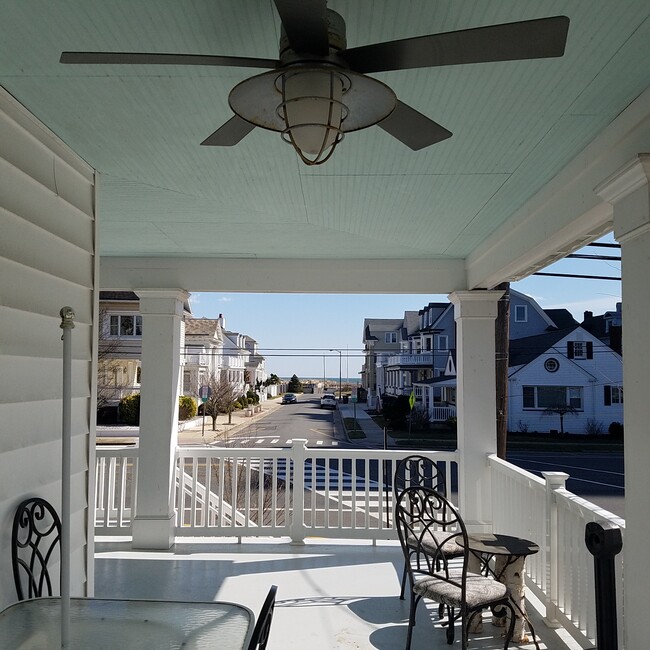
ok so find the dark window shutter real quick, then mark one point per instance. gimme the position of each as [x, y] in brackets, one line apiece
[590, 350]
[608, 395]
[529, 397]
[569, 349]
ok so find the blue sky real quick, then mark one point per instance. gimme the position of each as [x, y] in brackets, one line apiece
[295, 332]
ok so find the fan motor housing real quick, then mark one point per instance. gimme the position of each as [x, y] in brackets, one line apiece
[335, 35]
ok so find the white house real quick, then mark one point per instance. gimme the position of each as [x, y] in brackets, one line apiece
[203, 358]
[564, 369]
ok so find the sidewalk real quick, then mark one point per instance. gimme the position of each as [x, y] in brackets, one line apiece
[190, 432]
[374, 433]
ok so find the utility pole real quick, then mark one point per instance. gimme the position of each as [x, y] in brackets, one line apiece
[502, 341]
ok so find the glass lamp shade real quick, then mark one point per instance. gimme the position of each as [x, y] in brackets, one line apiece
[304, 104]
[312, 110]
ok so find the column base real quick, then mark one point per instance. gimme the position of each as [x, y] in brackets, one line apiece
[154, 533]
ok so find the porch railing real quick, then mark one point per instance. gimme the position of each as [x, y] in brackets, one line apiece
[116, 472]
[300, 492]
[442, 413]
[561, 575]
[296, 492]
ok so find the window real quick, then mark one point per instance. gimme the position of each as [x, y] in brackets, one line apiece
[580, 350]
[545, 397]
[613, 395]
[125, 325]
[521, 313]
[551, 364]
[442, 342]
[390, 337]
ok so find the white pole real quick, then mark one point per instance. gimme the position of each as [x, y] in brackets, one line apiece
[67, 323]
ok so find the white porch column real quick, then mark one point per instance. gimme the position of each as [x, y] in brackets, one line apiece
[475, 313]
[162, 313]
[629, 193]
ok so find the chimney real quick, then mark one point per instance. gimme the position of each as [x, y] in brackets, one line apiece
[222, 321]
[588, 315]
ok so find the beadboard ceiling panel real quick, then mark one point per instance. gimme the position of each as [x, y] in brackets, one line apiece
[515, 125]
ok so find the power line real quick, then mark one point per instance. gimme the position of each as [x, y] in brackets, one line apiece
[576, 275]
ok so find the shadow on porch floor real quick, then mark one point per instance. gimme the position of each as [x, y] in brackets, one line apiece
[331, 594]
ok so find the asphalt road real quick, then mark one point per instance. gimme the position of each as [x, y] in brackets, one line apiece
[304, 420]
[596, 476]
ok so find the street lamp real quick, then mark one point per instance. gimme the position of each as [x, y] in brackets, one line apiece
[340, 362]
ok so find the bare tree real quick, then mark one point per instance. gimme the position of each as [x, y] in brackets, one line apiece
[223, 395]
[561, 410]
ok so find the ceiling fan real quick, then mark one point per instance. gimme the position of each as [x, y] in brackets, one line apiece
[318, 89]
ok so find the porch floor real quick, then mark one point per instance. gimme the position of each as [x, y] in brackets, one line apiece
[332, 594]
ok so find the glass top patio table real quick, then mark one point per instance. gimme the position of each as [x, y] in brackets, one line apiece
[104, 624]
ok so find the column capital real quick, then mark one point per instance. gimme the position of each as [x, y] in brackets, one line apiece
[628, 191]
[162, 301]
[475, 304]
[630, 177]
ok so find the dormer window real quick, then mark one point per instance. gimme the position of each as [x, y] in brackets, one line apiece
[521, 313]
[390, 337]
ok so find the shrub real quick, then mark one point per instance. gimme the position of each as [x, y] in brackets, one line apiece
[396, 409]
[452, 422]
[129, 409]
[186, 407]
[253, 397]
[419, 420]
[616, 430]
[594, 427]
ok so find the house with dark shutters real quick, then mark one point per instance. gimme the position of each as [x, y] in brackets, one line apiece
[567, 380]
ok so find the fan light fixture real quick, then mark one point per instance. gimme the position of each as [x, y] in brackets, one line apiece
[313, 111]
[318, 90]
[312, 105]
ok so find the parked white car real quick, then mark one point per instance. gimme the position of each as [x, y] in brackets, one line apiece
[328, 401]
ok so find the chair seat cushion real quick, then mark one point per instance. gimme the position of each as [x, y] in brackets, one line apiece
[450, 546]
[481, 591]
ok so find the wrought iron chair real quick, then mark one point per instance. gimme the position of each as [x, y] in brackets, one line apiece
[416, 470]
[35, 538]
[426, 521]
[262, 628]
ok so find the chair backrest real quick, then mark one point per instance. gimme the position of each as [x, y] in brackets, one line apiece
[35, 538]
[427, 525]
[418, 470]
[263, 624]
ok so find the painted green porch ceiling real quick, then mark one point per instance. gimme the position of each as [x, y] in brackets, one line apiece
[515, 125]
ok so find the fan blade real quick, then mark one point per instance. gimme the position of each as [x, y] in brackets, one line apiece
[412, 128]
[530, 39]
[230, 133]
[305, 24]
[143, 58]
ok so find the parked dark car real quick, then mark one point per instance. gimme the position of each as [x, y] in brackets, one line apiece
[289, 398]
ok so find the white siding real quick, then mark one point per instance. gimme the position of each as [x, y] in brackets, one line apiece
[47, 261]
[605, 368]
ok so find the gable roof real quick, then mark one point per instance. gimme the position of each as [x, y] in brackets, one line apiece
[523, 351]
[202, 327]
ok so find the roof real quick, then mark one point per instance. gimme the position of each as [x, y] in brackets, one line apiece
[119, 296]
[523, 351]
[202, 327]
[561, 317]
